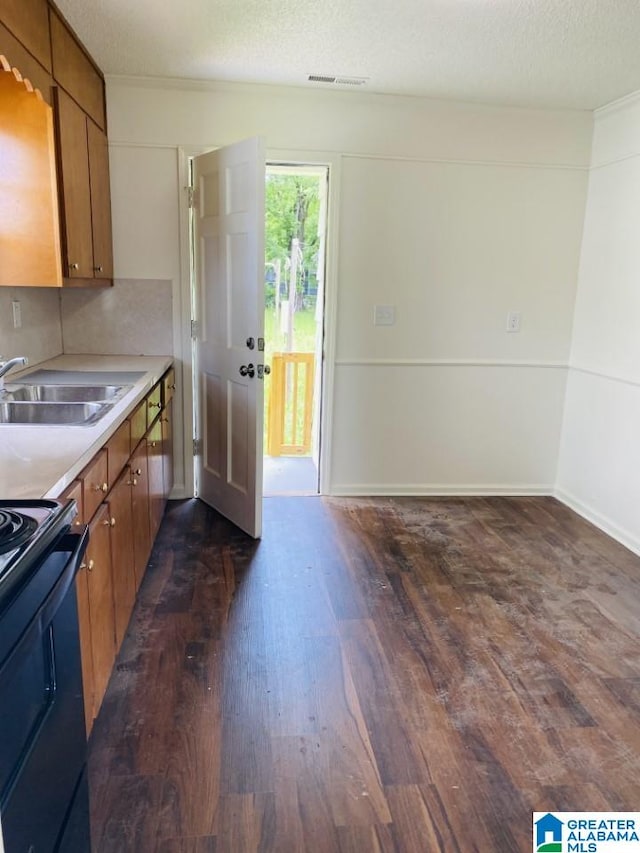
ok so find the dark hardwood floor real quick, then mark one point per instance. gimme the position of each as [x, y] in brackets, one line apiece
[374, 675]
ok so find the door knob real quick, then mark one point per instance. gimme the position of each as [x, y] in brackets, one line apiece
[263, 370]
[247, 370]
[267, 370]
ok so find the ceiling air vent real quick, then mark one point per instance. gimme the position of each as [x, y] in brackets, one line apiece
[342, 81]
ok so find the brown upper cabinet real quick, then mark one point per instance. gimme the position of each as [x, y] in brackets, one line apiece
[29, 232]
[74, 71]
[83, 166]
[28, 20]
[36, 40]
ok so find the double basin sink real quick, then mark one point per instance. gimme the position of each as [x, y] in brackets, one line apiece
[58, 405]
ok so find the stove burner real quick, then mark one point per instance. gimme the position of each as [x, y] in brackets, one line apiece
[15, 529]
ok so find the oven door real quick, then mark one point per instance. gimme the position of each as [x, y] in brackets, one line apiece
[42, 733]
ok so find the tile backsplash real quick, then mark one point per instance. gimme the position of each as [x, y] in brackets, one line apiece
[134, 317]
[40, 336]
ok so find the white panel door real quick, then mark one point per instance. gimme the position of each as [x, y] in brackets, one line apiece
[229, 265]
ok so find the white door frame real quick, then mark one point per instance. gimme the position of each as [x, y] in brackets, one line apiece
[273, 156]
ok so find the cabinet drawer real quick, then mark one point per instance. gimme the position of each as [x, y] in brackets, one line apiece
[168, 386]
[138, 421]
[95, 484]
[118, 451]
[73, 70]
[74, 492]
[154, 403]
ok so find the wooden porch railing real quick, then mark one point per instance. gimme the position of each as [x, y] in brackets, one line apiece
[290, 403]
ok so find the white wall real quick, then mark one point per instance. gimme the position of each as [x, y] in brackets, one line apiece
[453, 213]
[600, 451]
[40, 336]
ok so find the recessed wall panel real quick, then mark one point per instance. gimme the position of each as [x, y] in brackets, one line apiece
[237, 462]
[213, 409]
[237, 188]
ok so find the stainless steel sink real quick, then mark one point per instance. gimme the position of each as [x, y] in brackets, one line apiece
[52, 414]
[62, 393]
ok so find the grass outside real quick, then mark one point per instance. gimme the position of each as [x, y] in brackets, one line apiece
[304, 340]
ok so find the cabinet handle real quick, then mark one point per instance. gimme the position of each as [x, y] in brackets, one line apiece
[110, 522]
[155, 405]
[164, 420]
[152, 444]
[88, 566]
[74, 266]
[134, 482]
[138, 472]
[172, 387]
[102, 488]
[97, 269]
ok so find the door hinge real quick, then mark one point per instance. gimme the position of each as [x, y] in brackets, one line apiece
[192, 196]
[197, 446]
[195, 329]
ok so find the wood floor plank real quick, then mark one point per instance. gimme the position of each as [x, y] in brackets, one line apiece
[376, 674]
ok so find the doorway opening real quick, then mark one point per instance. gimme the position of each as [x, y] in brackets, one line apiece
[295, 247]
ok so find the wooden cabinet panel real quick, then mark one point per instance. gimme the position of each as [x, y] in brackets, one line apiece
[75, 72]
[140, 510]
[122, 554]
[86, 652]
[156, 485]
[100, 201]
[166, 420]
[138, 420]
[100, 592]
[30, 68]
[118, 451]
[168, 386]
[30, 233]
[154, 403]
[94, 484]
[75, 193]
[28, 20]
[74, 492]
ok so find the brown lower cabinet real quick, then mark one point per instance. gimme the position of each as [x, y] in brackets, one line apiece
[99, 575]
[122, 538]
[140, 511]
[113, 496]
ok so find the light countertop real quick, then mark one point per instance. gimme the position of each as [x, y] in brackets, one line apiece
[41, 461]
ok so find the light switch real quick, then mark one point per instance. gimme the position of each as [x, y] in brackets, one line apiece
[17, 314]
[384, 315]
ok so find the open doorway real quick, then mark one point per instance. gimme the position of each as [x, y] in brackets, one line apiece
[295, 246]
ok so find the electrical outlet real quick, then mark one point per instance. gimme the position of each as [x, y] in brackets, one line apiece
[514, 321]
[17, 314]
[384, 315]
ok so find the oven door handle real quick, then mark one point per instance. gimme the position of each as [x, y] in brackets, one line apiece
[77, 543]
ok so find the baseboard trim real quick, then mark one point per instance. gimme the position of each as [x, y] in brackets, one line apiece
[440, 490]
[602, 522]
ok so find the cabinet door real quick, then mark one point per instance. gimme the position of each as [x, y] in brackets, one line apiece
[118, 451]
[100, 592]
[75, 193]
[140, 509]
[100, 201]
[73, 69]
[28, 20]
[167, 448]
[86, 647]
[30, 68]
[122, 553]
[156, 485]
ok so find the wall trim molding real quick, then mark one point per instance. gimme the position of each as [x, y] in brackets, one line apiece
[618, 104]
[508, 164]
[449, 362]
[441, 489]
[601, 374]
[602, 522]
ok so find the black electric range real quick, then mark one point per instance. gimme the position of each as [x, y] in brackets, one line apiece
[43, 789]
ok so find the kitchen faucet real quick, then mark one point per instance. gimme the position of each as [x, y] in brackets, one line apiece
[6, 366]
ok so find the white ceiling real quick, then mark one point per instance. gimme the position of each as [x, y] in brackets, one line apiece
[536, 53]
